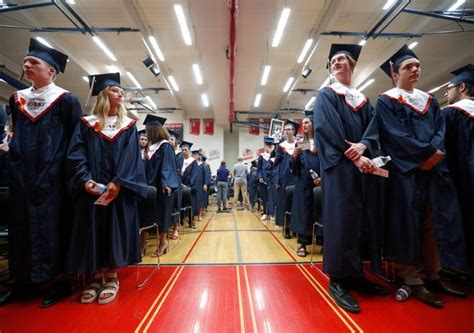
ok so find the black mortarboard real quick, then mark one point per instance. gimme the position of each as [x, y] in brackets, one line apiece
[464, 74]
[253, 163]
[142, 133]
[194, 152]
[351, 50]
[396, 60]
[295, 125]
[154, 120]
[99, 82]
[174, 134]
[53, 57]
[309, 114]
[186, 144]
[268, 141]
[203, 157]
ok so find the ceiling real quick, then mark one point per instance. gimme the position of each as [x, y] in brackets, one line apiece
[208, 21]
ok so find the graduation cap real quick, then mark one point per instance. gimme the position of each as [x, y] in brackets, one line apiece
[295, 125]
[142, 133]
[253, 163]
[464, 74]
[393, 64]
[203, 157]
[154, 120]
[351, 50]
[195, 152]
[173, 134]
[99, 82]
[308, 114]
[186, 144]
[268, 141]
[53, 57]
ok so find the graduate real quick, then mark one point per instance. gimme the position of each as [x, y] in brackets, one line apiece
[44, 117]
[252, 183]
[207, 180]
[459, 141]
[341, 116]
[189, 174]
[174, 139]
[199, 185]
[104, 161]
[423, 220]
[264, 178]
[281, 172]
[143, 143]
[162, 173]
[303, 212]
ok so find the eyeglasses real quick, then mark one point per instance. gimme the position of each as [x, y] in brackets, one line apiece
[451, 87]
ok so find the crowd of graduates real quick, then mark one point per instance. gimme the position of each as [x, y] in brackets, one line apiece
[75, 182]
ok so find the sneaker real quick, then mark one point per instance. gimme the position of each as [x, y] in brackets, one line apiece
[264, 217]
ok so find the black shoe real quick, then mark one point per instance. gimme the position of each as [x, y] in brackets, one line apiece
[423, 295]
[343, 297]
[364, 285]
[287, 233]
[56, 293]
[438, 285]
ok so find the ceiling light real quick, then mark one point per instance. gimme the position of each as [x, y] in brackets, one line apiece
[112, 69]
[266, 72]
[310, 102]
[71, 2]
[205, 101]
[173, 83]
[456, 5]
[178, 9]
[258, 98]
[44, 42]
[197, 74]
[288, 84]
[154, 43]
[326, 82]
[134, 80]
[388, 4]
[306, 71]
[281, 26]
[412, 45]
[151, 102]
[305, 50]
[85, 78]
[104, 48]
[365, 85]
[438, 88]
[363, 42]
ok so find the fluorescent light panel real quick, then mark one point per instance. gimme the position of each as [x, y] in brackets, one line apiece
[266, 72]
[151, 102]
[197, 74]
[288, 84]
[363, 42]
[258, 98]
[456, 5]
[178, 9]
[438, 88]
[85, 78]
[44, 42]
[305, 50]
[412, 45]
[205, 100]
[149, 51]
[71, 2]
[134, 80]
[104, 48]
[157, 49]
[388, 4]
[310, 102]
[173, 83]
[365, 85]
[281, 26]
[112, 69]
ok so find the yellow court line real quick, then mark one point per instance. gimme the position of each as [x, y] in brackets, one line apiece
[249, 293]
[163, 300]
[156, 300]
[241, 307]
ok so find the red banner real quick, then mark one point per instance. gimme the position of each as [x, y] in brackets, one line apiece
[208, 126]
[266, 123]
[300, 129]
[194, 126]
[254, 130]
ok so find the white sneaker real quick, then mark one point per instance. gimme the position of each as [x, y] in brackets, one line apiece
[264, 217]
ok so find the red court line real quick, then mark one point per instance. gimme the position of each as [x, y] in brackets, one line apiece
[197, 239]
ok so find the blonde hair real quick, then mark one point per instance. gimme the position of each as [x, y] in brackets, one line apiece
[102, 108]
[156, 133]
[305, 135]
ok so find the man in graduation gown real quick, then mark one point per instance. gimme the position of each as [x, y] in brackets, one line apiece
[207, 179]
[44, 117]
[264, 177]
[459, 141]
[174, 139]
[190, 172]
[342, 115]
[143, 143]
[252, 182]
[423, 220]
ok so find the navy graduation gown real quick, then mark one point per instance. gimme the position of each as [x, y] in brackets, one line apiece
[263, 188]
[192, 177]
[253, 186]
[303, 213]
[179, 191]
[349, 200]
[105, 236]
[207, 181]
[39, 201]
[411, 136]
[161, 171]
[459, 142]
[281, 178]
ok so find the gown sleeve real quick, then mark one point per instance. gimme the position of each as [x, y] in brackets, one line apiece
[169, 172]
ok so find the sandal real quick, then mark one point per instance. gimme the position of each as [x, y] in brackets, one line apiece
[93, 290]
[301, 252]
[111, 287]
[160, 251]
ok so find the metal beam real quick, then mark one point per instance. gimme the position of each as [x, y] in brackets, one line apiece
[77, 30]
[438, 16]
[12, 81]
[14, 8]
[154, 89]
[363, 34]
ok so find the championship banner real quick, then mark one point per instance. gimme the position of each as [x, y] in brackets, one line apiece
[254, 130]
[194, 126]
[176, 127]
[266, 124]
[208, 126]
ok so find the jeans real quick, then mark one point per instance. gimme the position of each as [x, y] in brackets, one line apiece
[221, 194]
[240, 185]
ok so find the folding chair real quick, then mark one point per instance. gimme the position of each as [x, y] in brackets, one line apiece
[186, 207]
[317, 197]
[289, 190]
[147, 212]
